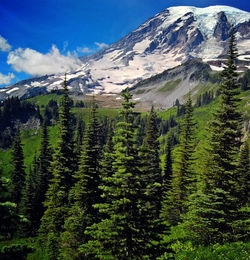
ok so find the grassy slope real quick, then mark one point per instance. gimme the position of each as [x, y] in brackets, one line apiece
[170, 86]
[31, 138]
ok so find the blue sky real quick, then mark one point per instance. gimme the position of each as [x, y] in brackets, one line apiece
[38, 35]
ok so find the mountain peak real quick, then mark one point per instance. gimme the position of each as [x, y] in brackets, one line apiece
[164, 41]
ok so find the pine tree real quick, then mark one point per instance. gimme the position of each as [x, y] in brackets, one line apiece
[63, 167]
[28, 205]
[151, 164]
[243, 178]
[107, 160]
[85, 192]
[225, 142]
[9, 219]
[17, 175]
[79, 136]
[118, 236]
[183, 176]
[216, 209]
[226, 126]
[168, 167]
[151, 186]
[44, 173]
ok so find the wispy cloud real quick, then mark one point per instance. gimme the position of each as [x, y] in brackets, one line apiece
[38, 64]
[101, 45]
[65, 45]
[6, 79]
[4, 45]
[84, 50]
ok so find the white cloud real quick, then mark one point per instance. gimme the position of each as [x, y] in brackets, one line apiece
[6, 79]
[89, 50]
[4, 45]
[84, 50]
[101, 45]
[38, 64]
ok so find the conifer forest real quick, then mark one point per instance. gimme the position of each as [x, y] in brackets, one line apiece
[112, 189]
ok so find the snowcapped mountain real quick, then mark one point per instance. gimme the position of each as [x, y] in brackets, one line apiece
[166, 40]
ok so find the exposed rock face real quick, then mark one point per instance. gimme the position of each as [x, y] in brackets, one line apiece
[166, 40]
[244, 29]
[222, 28]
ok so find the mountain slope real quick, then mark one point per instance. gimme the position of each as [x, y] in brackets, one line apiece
[163, 89]
[170, 38]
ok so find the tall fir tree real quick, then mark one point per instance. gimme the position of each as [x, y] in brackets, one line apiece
[85, 193]
[44, 172]
[107, 159]
[226, 126]
[118, 235]
[28, 205]
[168, 166]
[80, 126]
[17, 175]
[213, 210]
[63, 167]
[151, 186]
[152, 175]
[183, 180]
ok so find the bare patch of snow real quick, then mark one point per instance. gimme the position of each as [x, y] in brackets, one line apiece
[140, 47]
[35, 84]
[215, 68]
[12, 90]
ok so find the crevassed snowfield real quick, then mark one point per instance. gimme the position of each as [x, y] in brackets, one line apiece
[114, 76]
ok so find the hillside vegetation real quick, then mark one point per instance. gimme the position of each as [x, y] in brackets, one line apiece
[98, 183]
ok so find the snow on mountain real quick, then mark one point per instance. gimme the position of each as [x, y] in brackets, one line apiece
[166, 40]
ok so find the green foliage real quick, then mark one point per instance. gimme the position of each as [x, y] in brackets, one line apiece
[183, 179]
[63, 167]
[150, 169]
[169, 86]
[107, 205]
[14, 113]
[151, 186]
[232, 251]
[206, 221]
[29, 203]
[213, 210]
[43, 172]
[118, 235]
[9, 219]
[15, 252]
[85, 193]
[80, 126]
[243, 178]
[168, 167]
[17, 174]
